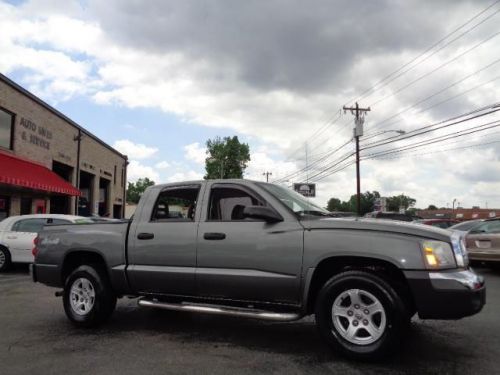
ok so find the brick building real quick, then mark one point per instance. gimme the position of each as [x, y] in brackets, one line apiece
[49, 163]
[460, 213]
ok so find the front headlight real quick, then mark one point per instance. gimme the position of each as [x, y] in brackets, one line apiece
[438, 255]
[459, 248]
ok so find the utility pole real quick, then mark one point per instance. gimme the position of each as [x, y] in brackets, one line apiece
[307, 165]
[267, 174]
[358, 132]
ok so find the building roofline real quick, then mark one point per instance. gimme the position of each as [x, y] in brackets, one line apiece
[48, 107]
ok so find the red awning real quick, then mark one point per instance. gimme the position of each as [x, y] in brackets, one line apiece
[20, 172]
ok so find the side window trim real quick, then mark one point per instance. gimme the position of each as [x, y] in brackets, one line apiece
[243, 188]
[174, 220]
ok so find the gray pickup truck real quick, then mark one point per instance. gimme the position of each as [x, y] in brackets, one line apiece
[258, 250]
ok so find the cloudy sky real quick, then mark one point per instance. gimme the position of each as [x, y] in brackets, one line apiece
[156, 79]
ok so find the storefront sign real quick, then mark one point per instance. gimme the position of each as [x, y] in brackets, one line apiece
[35, 134]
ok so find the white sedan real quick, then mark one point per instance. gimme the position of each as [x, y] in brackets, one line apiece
[18, 232]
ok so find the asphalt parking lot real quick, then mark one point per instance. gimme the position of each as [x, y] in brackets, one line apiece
[36, 338]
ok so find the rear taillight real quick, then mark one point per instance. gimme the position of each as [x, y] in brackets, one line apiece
[34, 251]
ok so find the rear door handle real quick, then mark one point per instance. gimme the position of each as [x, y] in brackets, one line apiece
[214, 236]
[145, 236]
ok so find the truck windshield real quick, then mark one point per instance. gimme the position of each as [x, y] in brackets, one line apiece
[300, 205]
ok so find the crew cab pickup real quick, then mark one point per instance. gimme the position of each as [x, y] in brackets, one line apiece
[258, 250]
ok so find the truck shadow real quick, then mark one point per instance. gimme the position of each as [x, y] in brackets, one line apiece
[300, 340]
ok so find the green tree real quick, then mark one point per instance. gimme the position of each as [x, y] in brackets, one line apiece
[335, 204]
[226, 158]
[367, 202]
[400, 201]
[432, 207]
[135, 190]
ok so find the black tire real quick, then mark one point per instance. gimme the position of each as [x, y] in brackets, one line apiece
[5, 262]
[104, 300]
[396, 316]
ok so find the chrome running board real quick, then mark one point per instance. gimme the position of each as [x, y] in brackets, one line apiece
[221, 310]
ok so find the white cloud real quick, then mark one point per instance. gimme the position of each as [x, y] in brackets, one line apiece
[65, 50]
[137, 151]
[185, 176]
[162, 165]
[137, 170]
[194, 152]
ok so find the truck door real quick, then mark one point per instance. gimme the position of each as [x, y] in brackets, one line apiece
[162, 245]
[246, 259]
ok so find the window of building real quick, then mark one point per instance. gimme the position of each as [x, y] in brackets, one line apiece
[176, 204]
[114, 176]
[6, 128]
[227, 204]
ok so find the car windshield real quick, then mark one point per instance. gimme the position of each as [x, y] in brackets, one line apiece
[299, 204]
[465, 226]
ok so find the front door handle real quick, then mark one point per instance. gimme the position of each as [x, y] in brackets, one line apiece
[214, 236]
[145, 236]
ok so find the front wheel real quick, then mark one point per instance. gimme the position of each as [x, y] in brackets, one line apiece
[88, 298]
[361, 315]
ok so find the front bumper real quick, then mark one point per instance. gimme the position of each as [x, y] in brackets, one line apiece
[447, 294]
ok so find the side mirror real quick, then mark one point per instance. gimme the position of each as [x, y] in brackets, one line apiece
[263, 213]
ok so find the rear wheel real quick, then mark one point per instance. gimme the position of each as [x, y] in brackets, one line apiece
[4, 259]
[88, 298]
[361, 315]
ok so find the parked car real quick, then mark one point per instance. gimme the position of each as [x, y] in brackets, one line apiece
[440, 223]
[342, 214]
[258, 250]
[17, 234]
[466, 226]
[483, 242]
[390, 216]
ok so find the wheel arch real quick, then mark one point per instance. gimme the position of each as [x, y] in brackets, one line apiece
[330, 266]
[77, 257]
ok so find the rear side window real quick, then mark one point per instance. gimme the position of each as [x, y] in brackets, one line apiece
[29, 225]
[488, 227]
[58, 221]
[227, 204]
[176, 204]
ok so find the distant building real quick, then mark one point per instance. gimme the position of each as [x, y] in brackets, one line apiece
[460, 213]
[50, 164]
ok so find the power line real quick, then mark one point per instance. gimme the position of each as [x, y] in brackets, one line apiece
[439, 92]
[482, 144]
[375, 87]
[296, 173]
[328, 171]
[411, 83]
[393, 151]
[479, 128]
[426, 129]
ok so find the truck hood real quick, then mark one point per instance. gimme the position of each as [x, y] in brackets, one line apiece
[379, 225]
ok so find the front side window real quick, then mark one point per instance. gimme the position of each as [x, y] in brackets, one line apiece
[300, 205]
[176, 204]
[29, 225]
[6, 129]
[227, 204]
